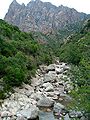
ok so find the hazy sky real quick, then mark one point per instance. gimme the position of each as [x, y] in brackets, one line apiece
[80, 5]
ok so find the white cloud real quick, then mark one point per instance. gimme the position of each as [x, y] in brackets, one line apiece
[80, 5]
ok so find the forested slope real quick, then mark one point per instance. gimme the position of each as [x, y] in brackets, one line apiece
[77, 53]
[20, 56]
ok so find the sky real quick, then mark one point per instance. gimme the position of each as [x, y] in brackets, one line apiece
[79, 5]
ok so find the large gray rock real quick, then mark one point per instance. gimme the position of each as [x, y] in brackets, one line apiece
[46, 84]
[51, 67]
[45, 102]
[48, 87]
[36, 96]
[21, 118]
[31, 113]
[36, 81]
[50, 77]
[59, 70]
[5, 114]
[26, 90]
[58, 107]
[39, 82]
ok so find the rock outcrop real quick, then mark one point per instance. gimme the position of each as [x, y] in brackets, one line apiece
[42, 16]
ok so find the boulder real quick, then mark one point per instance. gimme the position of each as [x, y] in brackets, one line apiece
[50, 94]
[55, 97]
[28, 87]
[50, 77]
[5, 114]
[31, 113]
[24, 91]
[45, 102]
[59, 70]
[66, 68]
[58, 107]
[48, 87]
[35, 81]
[36, 96]
[62, 65]
[39, 82]
[57, 93]
[51, 67]
[21, 118]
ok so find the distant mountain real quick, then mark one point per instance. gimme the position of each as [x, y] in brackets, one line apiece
[43, 16]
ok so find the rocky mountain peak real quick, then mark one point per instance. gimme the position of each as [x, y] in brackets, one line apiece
[23, 5]
[42, 16]
[34, 3]
[14, 5]
[37, 1]
[14, 2]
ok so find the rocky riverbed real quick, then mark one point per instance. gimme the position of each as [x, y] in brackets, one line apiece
[45, 99]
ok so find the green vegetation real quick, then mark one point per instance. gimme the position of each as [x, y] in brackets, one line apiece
[77, 53]
[20, 56]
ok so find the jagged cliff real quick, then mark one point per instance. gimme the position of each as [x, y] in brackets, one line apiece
[42, 16]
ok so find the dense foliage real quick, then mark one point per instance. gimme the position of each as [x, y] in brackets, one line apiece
[77, 52]
[55, 39]
[20, 55]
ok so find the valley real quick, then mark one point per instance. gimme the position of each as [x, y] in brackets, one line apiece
[44, 63]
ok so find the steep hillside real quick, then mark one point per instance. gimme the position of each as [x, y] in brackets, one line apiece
[44, 17]
[20, 55]
[77, 53]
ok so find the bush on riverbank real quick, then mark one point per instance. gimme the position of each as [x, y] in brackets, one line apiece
[77, 53]
[20, 55]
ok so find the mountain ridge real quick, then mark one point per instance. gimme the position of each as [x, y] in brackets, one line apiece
[42, 16]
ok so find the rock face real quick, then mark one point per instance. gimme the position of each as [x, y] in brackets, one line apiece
[42, 16]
